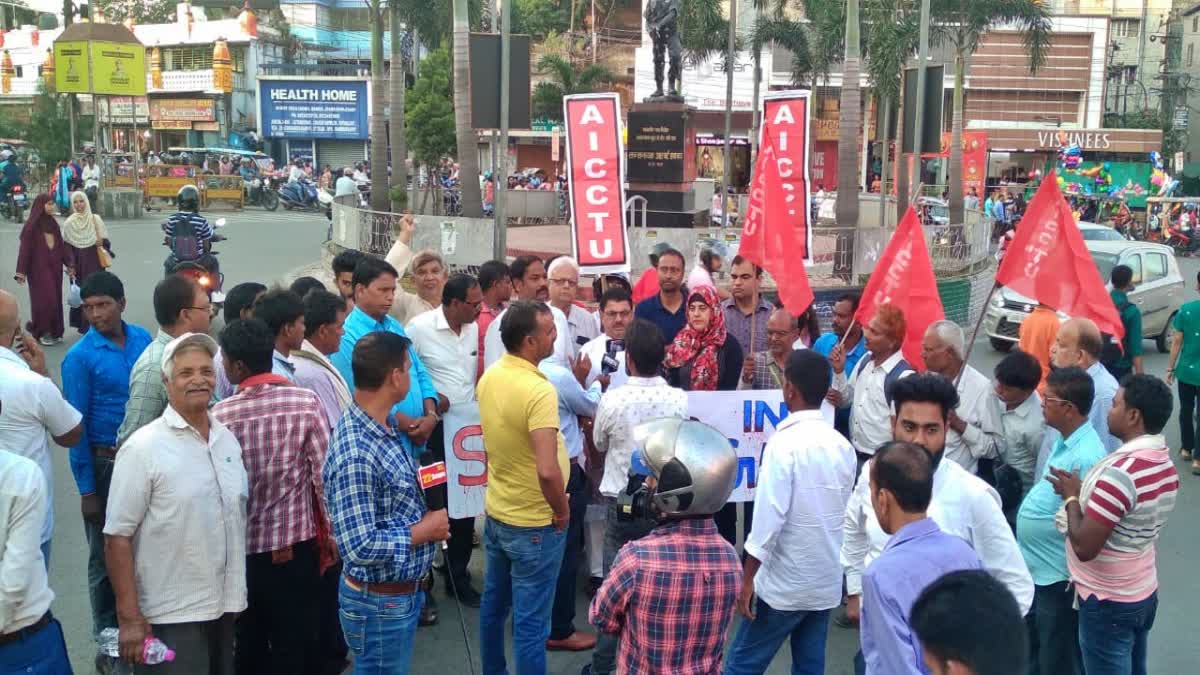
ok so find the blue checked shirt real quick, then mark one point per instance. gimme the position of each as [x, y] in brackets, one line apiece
[373, 497]
[95, 378]
[359, 323]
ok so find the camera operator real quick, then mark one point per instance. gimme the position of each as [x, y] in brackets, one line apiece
[670, 595]
[645, 396]
[607, 351]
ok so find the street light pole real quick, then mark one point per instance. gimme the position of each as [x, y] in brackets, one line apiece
[922, 58]
[730, 59]
[500, 240]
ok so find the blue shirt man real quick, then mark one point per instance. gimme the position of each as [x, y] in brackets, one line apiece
[95, 378]
[917, 554]
[828, 341]
[573, 402]
[359, 323]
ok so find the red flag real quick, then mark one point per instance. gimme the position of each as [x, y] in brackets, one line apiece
[769, 239]
[904, 277]
[1048, 261]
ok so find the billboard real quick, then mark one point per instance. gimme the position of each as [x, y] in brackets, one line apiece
[595, 177]
[118, 69]
[182, 109]
[72, 74]
[325, 109]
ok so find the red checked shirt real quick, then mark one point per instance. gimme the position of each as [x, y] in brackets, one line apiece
[670, 595]
[284, 437]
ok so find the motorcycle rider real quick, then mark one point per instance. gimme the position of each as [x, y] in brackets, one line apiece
[296, 172]
[188, 234]
[11, 173]
[249, 173]
[345, 185]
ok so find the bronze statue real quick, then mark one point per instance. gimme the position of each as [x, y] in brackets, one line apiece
[662, 22]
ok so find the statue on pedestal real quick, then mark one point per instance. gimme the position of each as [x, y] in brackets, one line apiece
[662, 23]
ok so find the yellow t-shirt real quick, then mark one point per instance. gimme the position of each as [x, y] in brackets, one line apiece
[515, 398]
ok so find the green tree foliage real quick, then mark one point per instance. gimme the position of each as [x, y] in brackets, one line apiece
[142, 11]
[541, 17]
[48, 131]
[429, 114]
[564, 80]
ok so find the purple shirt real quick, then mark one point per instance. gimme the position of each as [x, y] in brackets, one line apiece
[738, 324]
[916, 556]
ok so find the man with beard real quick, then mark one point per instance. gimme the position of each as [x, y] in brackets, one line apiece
[530, 283]
[962, 504]
[667, 309]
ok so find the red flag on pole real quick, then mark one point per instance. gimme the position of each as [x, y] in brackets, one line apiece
[1048, 261]
[904, 277]
[769, 239]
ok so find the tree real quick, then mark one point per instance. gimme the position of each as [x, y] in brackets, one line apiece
[540, 17]
[429, 117]
[962, 24]
[468, 141]
[565, 80]
[396, 134]
[849, 123]
[142, 11]
[378, 124]
[48, 130]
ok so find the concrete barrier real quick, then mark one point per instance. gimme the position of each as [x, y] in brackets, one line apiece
[120, 204]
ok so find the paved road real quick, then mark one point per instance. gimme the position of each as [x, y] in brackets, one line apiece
[265, 247]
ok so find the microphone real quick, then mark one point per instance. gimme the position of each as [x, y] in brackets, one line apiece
[433, 475]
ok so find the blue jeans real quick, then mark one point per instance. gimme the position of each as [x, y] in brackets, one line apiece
[43, 653]
[756, 642]
[521, 570]
[379, 629]
[1114, 635]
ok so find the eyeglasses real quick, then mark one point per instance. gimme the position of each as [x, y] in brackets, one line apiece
[1049, 399]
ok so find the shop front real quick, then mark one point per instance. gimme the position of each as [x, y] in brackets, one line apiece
[184, 122]
[320, 119]
[710, 159]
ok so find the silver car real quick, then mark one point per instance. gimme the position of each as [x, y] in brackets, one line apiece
[1158, 292]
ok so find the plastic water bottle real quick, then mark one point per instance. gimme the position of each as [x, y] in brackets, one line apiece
[154, 651]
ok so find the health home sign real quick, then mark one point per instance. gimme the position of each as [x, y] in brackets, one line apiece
[322, 109]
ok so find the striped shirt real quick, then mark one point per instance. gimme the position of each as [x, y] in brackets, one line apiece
[284, 435]
[200, 228]
[1132, 491]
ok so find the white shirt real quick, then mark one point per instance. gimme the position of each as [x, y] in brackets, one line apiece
[345, 186]
[962, 505]
[449, 358]
[183, 501]
[295, 174]
[580, 323]
[871, 416]
[983, 430]
[493, 346]
[361, 177]
[30, 406]
[622, 409]
[25, 593]
[595, 351]
[804, 483]
[91, 176]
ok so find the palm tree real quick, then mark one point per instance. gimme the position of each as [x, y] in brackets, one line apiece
[564, 80]
[849, 123]
[378, 125]
[467, 140]
[396, 99]
[962, 23]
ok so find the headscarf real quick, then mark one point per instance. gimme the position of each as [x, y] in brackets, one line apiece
[39, 220]
[79, 229]
[700, 348]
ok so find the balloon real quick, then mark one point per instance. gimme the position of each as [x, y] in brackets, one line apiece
[1108, 166]
[1061, 182]
[1092, 172]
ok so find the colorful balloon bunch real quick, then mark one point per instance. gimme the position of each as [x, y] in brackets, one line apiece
[1159, 178]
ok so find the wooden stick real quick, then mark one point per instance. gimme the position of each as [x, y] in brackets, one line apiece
[975, 333]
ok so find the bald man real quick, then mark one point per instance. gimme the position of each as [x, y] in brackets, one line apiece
[973, 428]
[1078, 345]
[32, 405]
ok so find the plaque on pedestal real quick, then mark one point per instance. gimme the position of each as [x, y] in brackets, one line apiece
[662, 143]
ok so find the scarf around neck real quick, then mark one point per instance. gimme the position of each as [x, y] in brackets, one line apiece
[700, 347]
[79, 229]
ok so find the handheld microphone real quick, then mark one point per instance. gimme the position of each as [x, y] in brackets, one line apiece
[432, 475]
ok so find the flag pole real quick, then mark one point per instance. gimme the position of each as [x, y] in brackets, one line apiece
[975, 333]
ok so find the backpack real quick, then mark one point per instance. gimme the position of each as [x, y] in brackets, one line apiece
[183, 243]
[1113, 350]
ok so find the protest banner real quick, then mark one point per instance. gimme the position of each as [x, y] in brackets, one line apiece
[785, 120]
[466, 460]
[596, 182]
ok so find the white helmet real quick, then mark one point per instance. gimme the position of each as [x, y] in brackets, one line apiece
[5, 155]
[695, 465]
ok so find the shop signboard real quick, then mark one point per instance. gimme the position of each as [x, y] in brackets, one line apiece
[596, 180]
[120, 109]
[118, 69]
[182, 109]
[170, 124]
[785, 120]
[314, 109]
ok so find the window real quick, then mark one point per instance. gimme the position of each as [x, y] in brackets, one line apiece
[200, 58]
[1125, 27]
[1135, 263]
[1190, 49]
[1156, 266]
[1195, 24]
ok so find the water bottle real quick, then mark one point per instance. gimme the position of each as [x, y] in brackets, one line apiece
[154, 651]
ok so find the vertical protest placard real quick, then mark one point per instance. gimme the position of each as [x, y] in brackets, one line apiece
[466, 460]
[785, 122]
[596, 182]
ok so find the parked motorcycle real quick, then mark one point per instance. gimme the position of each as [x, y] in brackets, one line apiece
[15, 202]
[304, 196]
[259, 193]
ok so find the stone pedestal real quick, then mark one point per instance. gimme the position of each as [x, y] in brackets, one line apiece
[661, 163]
[120, 204]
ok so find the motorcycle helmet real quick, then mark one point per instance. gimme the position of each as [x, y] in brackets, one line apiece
[188, 198]
[695, 465]
[5, 155]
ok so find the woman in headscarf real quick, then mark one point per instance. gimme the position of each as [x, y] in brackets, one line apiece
[40, 263]
[84, 233]
[704, 358]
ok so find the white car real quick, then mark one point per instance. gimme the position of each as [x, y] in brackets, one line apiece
[1158, 291]
[1094, 232]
